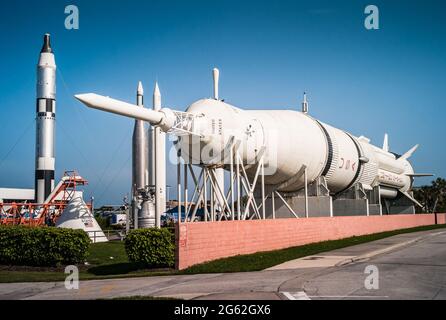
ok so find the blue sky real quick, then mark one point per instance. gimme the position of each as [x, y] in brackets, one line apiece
[268, 52]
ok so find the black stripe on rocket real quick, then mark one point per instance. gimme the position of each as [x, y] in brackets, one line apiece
[330, 156]
[330, 150]
[48, 177]
[44, 105]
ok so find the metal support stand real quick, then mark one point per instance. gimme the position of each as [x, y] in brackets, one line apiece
[246, 196]
[306, 192]
[236, 203]
[179, 189]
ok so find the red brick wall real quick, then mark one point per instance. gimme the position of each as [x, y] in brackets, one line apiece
[206, 241]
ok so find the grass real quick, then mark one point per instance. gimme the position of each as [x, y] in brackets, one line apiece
[107, 253]
[109, 260]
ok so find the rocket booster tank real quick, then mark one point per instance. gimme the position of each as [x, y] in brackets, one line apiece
[143, 213]
[290, 140]
[159, 160]
[45, 122]
[139, 147]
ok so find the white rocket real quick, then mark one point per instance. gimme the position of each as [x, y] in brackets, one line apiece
[290, 141]
[158, 161]
[140, 146]
[142, 204]
[45, 122]
[219, 173]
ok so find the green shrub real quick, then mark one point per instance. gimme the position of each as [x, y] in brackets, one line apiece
[151, 247]
[42, 246]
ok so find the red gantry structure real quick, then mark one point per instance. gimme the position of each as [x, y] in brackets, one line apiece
[47, 213]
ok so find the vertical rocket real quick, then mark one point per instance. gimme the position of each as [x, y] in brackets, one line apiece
[219, 172]
[159, 159]
[45, 122]
[139, 147]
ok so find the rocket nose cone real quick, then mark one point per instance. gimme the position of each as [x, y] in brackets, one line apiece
[46, 44]
[87, 98]
[140, 89]
[156, 91]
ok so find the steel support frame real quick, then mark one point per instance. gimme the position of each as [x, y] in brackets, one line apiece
[238, 202]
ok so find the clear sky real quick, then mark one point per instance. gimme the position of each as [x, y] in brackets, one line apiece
[367, 82]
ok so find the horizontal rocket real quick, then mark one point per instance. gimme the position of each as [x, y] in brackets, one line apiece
[290, 141]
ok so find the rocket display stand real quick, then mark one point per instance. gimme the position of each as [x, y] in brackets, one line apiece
[251, 199]
[217, 204]
[244, 200]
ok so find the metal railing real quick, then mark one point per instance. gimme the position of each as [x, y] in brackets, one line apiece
[110, 235]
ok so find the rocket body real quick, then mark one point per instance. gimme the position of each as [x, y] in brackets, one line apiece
[139, 148]
[293, 140]
[290, 142]
[219, 172]
[159, 160]
[45, 122]
[142, 208]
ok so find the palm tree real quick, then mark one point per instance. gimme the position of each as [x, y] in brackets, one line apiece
[432, 197]
[439, 187]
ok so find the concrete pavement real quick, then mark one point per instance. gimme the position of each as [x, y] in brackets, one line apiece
[409, 266]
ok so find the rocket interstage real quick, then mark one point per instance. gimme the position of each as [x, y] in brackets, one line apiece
[45, 122]
[290, 142]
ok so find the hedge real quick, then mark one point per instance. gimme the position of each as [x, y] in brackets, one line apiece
[42, 246]
[151, 247]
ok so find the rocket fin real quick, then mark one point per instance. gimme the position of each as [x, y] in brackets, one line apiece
[364, 139]
[407, 195]
[417, 175]
[386, 143]
[409, 153]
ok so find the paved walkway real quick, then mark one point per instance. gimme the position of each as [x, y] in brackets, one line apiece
[409, 266]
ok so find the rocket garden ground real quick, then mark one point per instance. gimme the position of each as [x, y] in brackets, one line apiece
[109, 260]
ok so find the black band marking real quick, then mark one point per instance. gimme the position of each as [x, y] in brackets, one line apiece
[330, 150]
[49, 104]
[47, 176]
[359, 163]
[45, 114]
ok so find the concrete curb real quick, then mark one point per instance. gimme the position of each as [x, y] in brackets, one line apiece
[385, 250]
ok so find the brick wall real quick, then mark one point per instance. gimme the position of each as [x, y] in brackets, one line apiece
[206, 241]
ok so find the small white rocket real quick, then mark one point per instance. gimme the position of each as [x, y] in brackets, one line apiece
[158, 161]
[219, 173]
